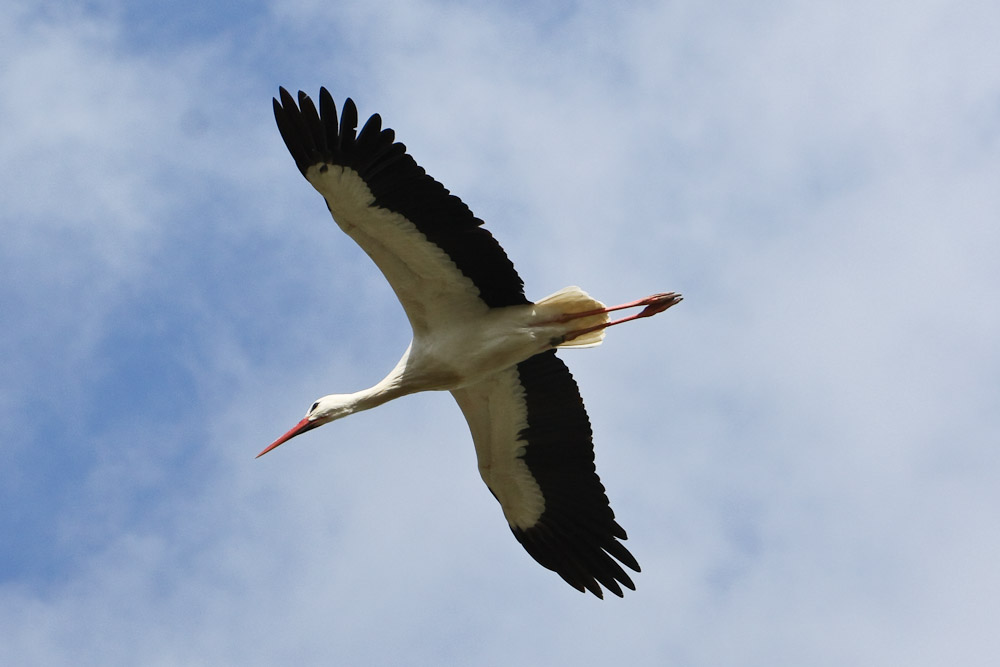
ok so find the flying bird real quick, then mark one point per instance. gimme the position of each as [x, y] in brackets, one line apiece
[476, 335]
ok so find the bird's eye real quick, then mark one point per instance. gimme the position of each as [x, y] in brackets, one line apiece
[313, 407]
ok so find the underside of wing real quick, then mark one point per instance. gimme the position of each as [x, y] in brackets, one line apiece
[535, 452]
[434, 252]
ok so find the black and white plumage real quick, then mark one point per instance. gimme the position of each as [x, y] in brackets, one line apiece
[475, 334]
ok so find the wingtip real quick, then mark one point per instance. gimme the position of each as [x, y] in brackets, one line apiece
[285, 97]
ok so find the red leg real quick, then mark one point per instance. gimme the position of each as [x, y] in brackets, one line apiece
[669, 297]
[657, 303]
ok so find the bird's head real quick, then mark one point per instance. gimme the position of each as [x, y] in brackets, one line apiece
[323, 411]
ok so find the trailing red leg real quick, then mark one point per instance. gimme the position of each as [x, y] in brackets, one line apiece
[656, 303]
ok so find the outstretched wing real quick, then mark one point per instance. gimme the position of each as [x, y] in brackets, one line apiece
[442, 264]
[536, 454]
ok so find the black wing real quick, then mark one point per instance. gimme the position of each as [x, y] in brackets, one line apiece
[431, 248]
[535, 451]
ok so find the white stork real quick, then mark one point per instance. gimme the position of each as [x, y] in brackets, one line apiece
[474, 334]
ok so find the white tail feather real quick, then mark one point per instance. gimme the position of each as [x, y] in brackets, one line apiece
[569, 300]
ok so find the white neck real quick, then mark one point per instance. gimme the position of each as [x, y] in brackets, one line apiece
[391, 386]
[374, 396]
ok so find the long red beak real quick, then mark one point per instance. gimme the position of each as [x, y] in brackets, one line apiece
[298, 429]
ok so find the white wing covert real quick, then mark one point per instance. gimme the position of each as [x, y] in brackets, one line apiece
[436, 255]
[535, 451]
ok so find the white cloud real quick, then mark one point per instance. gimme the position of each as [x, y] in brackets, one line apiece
[801, 452]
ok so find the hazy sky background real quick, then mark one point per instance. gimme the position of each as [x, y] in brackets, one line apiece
[805, 453]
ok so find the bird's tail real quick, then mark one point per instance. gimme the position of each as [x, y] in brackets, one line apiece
[570, 300]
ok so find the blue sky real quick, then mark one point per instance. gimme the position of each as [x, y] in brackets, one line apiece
[804, 453]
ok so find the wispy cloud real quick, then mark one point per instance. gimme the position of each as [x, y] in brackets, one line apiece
[802, 452]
